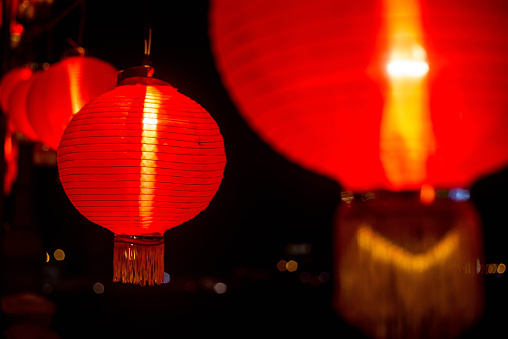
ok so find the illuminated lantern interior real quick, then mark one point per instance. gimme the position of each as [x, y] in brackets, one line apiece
[139, 160]
[63, 90]
[376, 95]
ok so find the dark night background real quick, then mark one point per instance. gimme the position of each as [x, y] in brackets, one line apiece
[265, 203]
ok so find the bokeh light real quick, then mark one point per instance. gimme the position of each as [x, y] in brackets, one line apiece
[220, 288]
[98, 288]
[59, 255]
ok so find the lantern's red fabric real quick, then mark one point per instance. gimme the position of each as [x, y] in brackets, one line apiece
[63, 90]
[9, 81]
[141, 159]
[307, 77]
[17, 107]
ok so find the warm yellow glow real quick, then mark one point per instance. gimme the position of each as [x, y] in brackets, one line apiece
[291, 266]
[149, 150]
[149, 121]
[427, 194]
[75, 73]
[406, 131]
[384, 250]
[130, 254]
[281, 265]
[59, 255]
[47, 257]
[501, 268]
[407, 68]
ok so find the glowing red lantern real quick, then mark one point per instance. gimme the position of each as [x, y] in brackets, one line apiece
[138, 160]
[17, 107]
[9, 81]
[382, 96]
[316, 81]
[63, 90]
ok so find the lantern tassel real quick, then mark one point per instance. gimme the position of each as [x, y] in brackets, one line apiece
[138, 260]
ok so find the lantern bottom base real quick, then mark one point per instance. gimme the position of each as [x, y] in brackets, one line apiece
[138, 260]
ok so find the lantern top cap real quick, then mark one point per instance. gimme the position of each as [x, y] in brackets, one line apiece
[138, 75]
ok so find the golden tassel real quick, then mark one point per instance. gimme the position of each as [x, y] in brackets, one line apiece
[138, 260]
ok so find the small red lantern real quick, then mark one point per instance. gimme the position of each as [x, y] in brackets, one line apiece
[138, 160]
[63, 90]
[17, 107]
[9, 81]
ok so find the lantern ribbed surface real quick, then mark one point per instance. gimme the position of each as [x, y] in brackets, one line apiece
[63, 90]
[141, 159]
[311, 79]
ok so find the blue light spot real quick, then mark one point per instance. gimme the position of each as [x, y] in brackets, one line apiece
[459, 194]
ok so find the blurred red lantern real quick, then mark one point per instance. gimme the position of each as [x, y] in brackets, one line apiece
[139, 160]
[382, 96]
[17, 107]
[9, 81]
[63, 90]
[329, 84]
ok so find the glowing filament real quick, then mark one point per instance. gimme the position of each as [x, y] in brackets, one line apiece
[407, 139]
[408, 68]
[149, 150]
[75, 73]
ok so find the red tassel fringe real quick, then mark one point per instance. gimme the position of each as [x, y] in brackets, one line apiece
[138, 260]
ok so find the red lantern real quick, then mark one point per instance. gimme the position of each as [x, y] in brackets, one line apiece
[9, 81]
[17, 107]
[63, 90]
[139, 160]
[314, 80]
[382, 96]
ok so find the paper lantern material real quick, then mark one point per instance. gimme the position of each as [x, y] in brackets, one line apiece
[141, 159]
[17, 106]
[9, 81]
[405, 269]
[63, 90]
[328, 85]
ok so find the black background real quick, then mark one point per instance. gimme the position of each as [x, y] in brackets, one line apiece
[264, 204]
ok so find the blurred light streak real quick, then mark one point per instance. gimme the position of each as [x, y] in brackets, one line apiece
[407, 138]
[384, 250]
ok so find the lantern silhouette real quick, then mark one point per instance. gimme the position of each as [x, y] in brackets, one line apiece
[9, 81]
[63, 90]
[384, 97]
[138, 160]
[17, 108]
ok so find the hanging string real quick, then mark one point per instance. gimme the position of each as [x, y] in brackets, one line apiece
[148, 32]
[148, 46]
